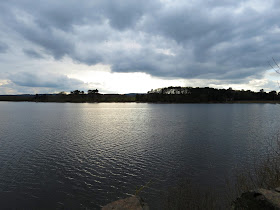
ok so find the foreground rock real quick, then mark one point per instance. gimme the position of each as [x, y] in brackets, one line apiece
[131, 203]
[259, 199]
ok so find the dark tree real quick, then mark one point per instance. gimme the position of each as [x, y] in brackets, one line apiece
[76, 92]
[272, 95]
[93, 91]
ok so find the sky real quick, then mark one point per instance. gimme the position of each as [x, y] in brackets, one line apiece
[133, 46]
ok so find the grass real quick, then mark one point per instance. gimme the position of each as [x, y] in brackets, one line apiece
[141, 188]
[265, 174]
[186, 195]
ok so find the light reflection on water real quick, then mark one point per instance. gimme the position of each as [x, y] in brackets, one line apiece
[85, 155]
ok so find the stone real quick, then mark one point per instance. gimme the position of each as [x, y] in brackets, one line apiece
[130, 203]
[277, 189]
[258, 199]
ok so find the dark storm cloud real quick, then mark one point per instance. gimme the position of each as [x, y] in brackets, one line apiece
[55, 43]
[214, 39]
[124, 14]
[28, 79]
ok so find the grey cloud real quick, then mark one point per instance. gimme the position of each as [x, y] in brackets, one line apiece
[206, 39]
[48, 80]
[123, 14]
[3, 47]
[12, 88]
[52, 27]
[32, 53]
[64, 14]
[51, 40]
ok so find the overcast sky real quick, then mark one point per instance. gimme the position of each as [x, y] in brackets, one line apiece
[125, 46]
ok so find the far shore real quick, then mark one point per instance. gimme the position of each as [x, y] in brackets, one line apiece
[134, 101]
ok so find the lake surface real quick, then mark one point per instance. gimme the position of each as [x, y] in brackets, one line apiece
[61, 155]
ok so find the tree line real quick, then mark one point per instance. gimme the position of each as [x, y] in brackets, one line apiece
[205, 95]
[78, 92]
[161, 95]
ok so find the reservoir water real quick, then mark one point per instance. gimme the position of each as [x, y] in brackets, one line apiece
[62, 155]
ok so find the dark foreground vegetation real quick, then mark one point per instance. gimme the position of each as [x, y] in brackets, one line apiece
[264, 174]
[161, 95]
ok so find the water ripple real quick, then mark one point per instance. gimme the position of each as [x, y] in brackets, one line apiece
[85, 155]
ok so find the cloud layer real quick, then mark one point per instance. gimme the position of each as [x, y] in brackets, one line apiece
[221, 40]
[44, 80]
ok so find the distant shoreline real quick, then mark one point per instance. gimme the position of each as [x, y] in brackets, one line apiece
[197, 96]
[171, 94]
[212, 102]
